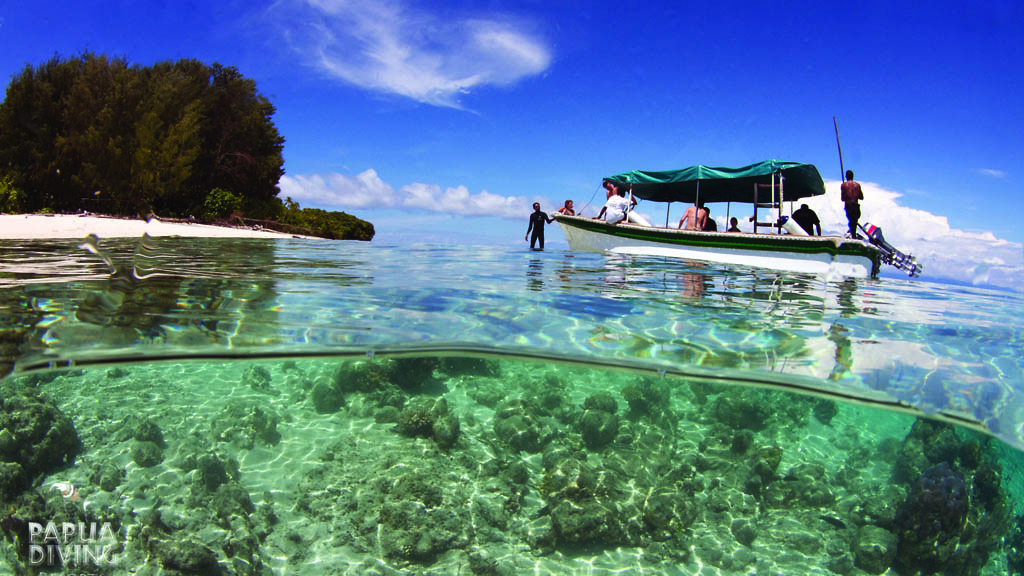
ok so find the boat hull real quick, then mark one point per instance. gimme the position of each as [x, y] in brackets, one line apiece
[822, 255]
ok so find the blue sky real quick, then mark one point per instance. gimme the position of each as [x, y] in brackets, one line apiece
[445, 121]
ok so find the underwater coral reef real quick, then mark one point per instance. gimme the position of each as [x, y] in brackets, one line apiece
[439, 465]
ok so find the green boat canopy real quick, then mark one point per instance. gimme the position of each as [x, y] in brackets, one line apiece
[724, 184]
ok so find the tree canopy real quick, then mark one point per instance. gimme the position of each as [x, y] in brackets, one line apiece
[98, 134]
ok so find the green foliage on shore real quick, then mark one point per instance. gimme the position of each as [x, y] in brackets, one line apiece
[10, 197]
[332, 225]
[182, 139]
[220, 204]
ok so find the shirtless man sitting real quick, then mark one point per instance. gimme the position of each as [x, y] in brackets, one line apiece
[694, 217]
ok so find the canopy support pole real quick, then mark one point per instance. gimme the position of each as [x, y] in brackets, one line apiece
[781, 200]
[754, 219]
[696, 206]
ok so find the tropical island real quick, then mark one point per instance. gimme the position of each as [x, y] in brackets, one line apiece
[182, 140]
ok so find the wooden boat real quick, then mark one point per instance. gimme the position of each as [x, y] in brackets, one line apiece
[766, 185]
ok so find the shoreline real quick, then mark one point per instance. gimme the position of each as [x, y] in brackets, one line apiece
[76, 226]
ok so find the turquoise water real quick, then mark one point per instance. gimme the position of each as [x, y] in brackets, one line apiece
[303, 407]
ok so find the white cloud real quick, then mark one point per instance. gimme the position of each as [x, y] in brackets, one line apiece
[459, 201]
[392, 47]
[367, 190]
[977, 257]
[1000, 174]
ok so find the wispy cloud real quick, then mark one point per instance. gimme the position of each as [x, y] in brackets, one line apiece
[367, 190]
[392, 47]
[993, 173]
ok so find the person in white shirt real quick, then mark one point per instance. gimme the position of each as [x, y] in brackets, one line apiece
[614, 210]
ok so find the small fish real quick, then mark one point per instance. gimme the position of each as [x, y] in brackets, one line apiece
[67, 490]
[833, 521]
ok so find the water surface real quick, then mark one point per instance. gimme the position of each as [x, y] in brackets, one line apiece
[333, 407]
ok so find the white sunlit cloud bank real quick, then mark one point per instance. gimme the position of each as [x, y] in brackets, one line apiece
[394, 47]
[974, 257]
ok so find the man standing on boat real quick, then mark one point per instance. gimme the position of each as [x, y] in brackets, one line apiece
[851, 194]
[537, 221]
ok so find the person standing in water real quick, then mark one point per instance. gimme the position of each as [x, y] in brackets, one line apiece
[537, 221]
[851, 194]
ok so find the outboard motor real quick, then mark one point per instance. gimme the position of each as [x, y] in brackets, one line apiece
[890, 255]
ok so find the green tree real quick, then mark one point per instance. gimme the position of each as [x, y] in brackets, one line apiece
[10, 199]
[220, 204]
[97, 133]
[30, 121]
[167, 139]
[95, 146]
[242, 150]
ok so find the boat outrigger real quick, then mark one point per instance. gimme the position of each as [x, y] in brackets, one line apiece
[764, 185]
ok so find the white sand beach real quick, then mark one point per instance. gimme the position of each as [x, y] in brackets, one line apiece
[39, 226]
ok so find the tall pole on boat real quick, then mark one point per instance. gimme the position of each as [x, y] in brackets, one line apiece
[842, 171]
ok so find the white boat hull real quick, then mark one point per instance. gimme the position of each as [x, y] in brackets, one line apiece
[822, 255]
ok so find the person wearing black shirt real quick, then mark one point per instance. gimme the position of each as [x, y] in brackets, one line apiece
[709, 223]
[537, 221]
[807, 220]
